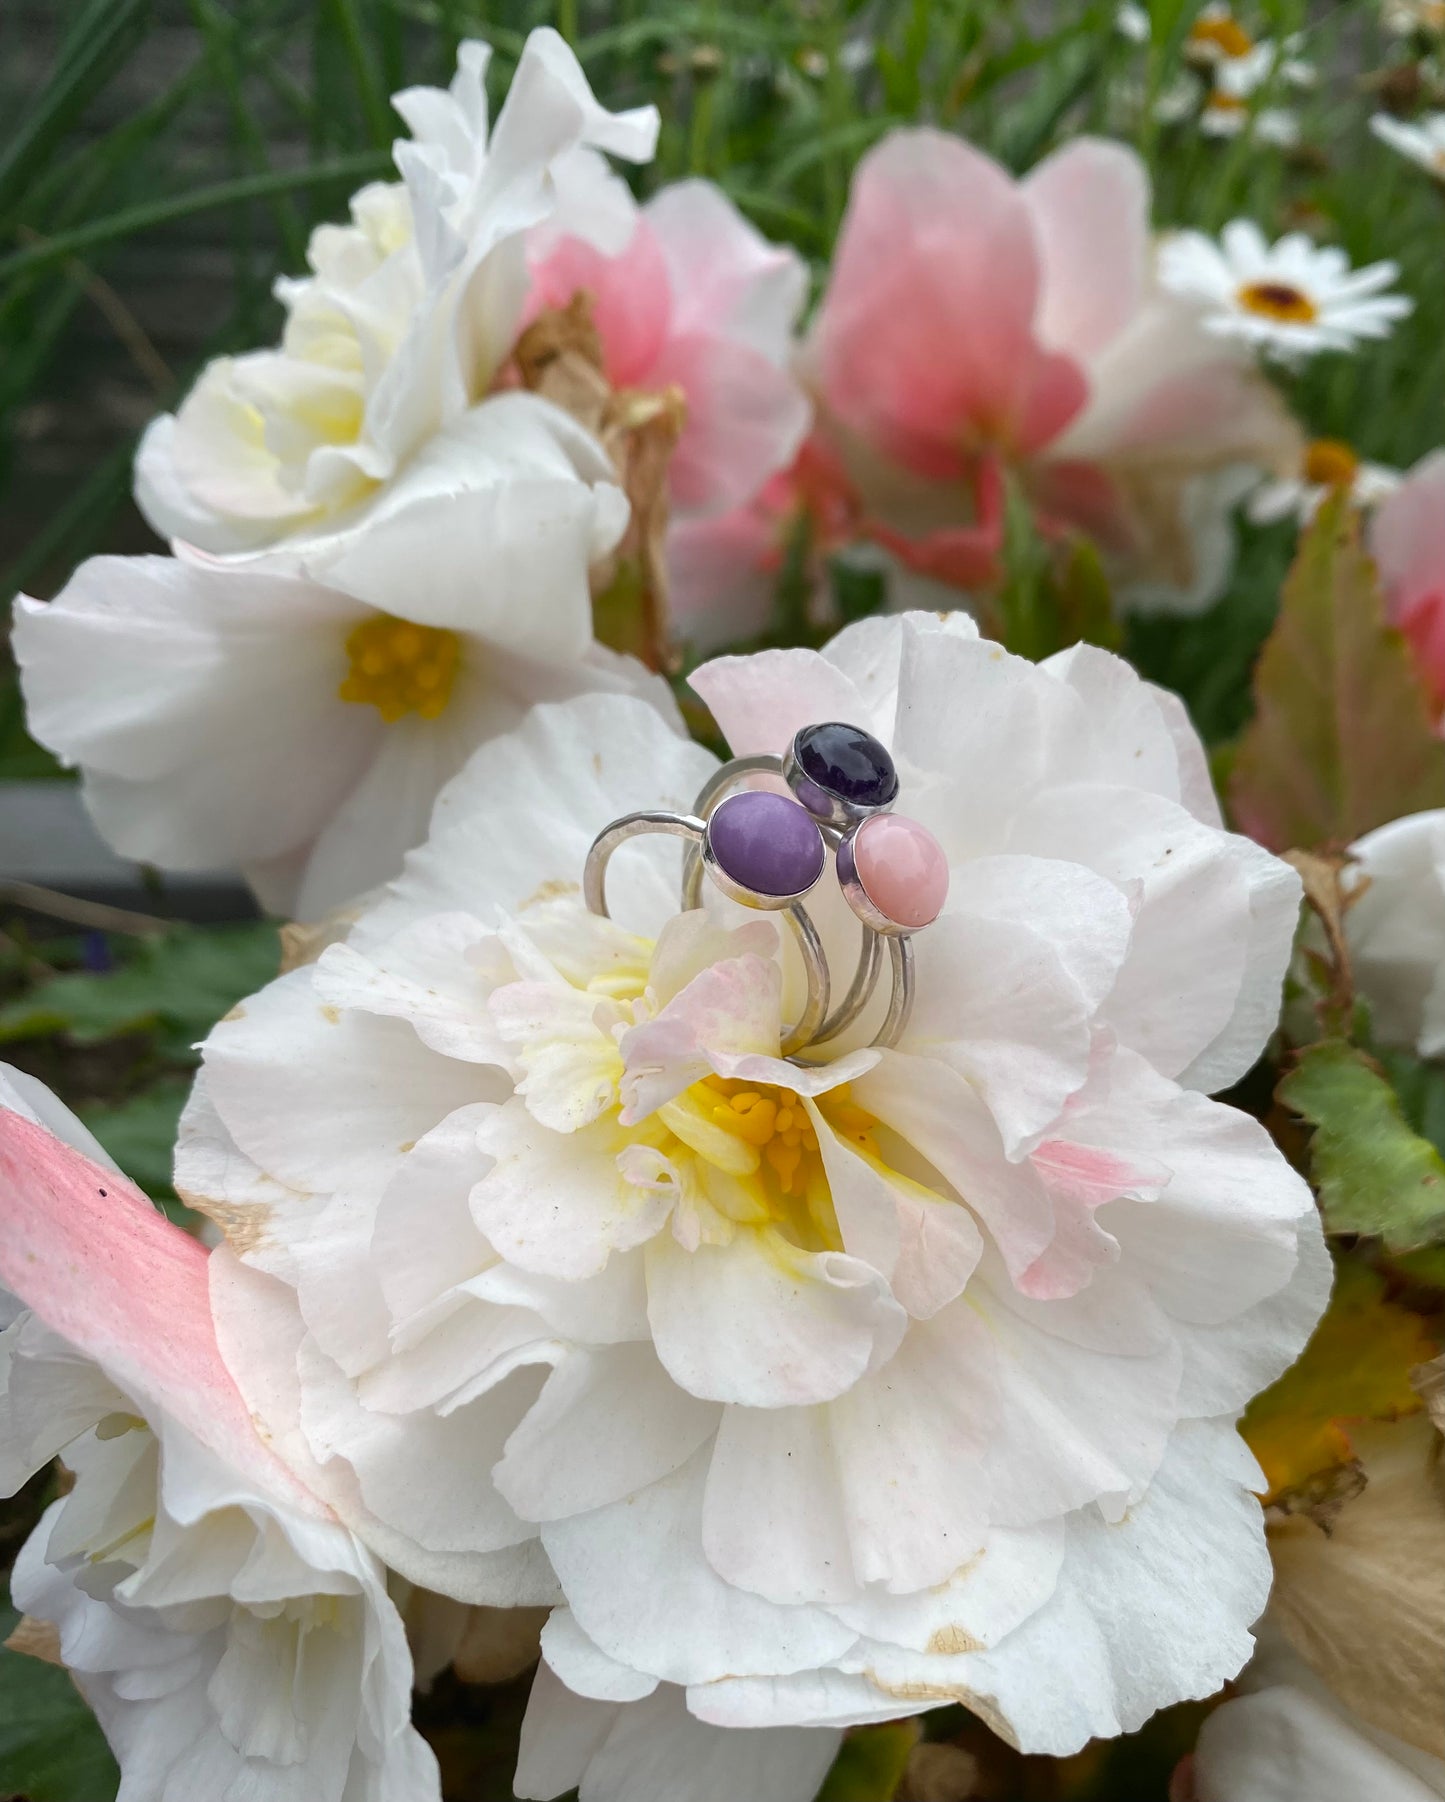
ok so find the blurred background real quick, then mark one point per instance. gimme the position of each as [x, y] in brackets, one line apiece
[162, 161]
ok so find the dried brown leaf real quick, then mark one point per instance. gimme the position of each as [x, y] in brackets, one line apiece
[1364, 1603]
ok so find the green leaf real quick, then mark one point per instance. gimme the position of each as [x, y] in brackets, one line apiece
[1085, 602]
[1374, 1175]
[51, 1749]
[184, 980]
[1341, 740]
[357, 165]
[870, 1765]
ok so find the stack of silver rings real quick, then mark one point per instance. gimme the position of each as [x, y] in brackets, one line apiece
[770, 850]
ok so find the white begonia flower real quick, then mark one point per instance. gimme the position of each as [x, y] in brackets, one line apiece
[296, 717]
[231, 1636]
[1396, 930]
[294, 710]
[1423, 142]
[613, 1748]
[406, 317]
[1289, 1739]
[1327, 466]
[825, 1393]
[1291, 298]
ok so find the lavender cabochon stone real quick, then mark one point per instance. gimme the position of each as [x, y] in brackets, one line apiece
[767, 843]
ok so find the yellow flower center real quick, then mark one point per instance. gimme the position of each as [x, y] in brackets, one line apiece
[1330, 463]
[756, 1156]
[1224, 34]
[399, 667]
[1278, 301]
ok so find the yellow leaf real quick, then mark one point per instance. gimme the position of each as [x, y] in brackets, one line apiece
[1355, 1368]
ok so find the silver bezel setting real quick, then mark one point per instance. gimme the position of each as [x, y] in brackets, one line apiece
[858, 897]
[737, 891]
[842, 814]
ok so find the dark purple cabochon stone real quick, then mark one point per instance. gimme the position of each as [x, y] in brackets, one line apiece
[767, 843]
[848, 762]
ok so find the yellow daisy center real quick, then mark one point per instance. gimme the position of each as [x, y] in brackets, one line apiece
[1224, 34]
[399, 667]
[1278, 301]
[1330, 463]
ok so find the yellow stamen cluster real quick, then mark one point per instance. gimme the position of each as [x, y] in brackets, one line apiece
[770, 1118]
[399, 667]
[1278, 301]
[759, 1157]
[1330, 463]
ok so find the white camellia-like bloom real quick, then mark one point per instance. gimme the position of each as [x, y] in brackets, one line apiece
[825, 1392]
[294, 710]
[407, 314]
[1396, 930]
[232, 1637]
[617, 1749]
[1289, 1739]
[296, 716]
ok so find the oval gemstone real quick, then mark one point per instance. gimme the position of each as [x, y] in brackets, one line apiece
[902, 868]
[767, 843]
[847, 762]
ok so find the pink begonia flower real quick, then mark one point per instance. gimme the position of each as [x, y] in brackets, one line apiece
[976, 324]
[698, 299]
[1407, 537]
[230, 1634]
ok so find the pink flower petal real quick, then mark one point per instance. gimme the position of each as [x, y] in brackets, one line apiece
[86, 1251]
[926, 334]
[1090, 207]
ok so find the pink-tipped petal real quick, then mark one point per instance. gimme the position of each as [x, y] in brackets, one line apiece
[926, 334]
[631, 304]
[762, 700]
[1090, 207]
[85, 1250]
[1407, 536]
[744, 415]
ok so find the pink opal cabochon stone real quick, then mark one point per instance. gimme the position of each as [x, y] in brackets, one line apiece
[902, 868]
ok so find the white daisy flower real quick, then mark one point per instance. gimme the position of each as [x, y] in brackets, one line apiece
[1327, 466]
[1224, 116]
[1132, 22]
[1423, 141]
[1291, 298]
[232, 1637]
[1217, 36]
[820, 1392]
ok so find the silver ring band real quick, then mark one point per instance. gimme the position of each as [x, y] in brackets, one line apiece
[694, 831]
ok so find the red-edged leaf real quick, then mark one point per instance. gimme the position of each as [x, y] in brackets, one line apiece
[1342, 739]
